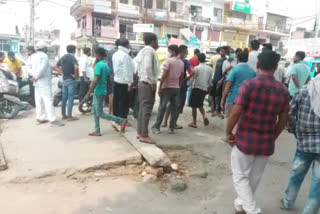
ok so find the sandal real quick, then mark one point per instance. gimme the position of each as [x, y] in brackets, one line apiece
[147, 140]
[206, 122]
[192, 125]
[95, 134]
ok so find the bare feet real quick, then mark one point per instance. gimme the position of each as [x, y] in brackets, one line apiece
[147, 140]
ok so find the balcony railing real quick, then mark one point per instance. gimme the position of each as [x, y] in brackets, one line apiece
[80, 4]
[200, 18]
[179, 16]
[82, 32]
[240, 23]
[284, 28]
[128, 35]
[106, 32]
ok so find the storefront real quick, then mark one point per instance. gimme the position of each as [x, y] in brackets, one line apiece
[235, 39]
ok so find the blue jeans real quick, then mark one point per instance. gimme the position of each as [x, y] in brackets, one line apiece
[301, 164]
[97, 111]
[68, 93]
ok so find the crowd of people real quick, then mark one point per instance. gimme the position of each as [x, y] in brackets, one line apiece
[249, 87]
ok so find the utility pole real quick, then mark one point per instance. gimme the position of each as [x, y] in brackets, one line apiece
[32, 22]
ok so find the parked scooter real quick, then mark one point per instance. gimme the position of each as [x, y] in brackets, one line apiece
[10, 103]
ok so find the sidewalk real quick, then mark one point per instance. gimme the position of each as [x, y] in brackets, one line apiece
[35, 150]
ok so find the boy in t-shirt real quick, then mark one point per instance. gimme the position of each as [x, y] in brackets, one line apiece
[99, 89]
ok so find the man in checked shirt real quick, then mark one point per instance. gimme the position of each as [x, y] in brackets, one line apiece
[304, 120]
[261, 112]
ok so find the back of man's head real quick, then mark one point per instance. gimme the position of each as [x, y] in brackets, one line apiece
[87, 51]
[174, 49]
[124, 43]
[196, 52]
[267, 46]
[301, 55]
[255, 45]
[117, 43]
[71, 49]
[149, 38]
[202, 58]
[182, 48]
[243, 57]
[268, 61]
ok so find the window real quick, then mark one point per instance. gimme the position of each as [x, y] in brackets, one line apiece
[124, 1]
[176, 7]
[148, 4]
[5, 45]
[217, 12]
[137, 2]
[82, 22]
[161, 4]
[240, 15]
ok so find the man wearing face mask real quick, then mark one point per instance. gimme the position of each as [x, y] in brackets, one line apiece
[230, 63]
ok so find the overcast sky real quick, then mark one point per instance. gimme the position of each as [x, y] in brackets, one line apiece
[18, 12]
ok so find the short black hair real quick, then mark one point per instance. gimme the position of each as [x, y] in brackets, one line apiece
[268, 46]
[11, 54]
[196, 51]
[117, 43]
[174, 48]
[268, 60]
[255, 44]
[148, 38]
[243, 57]
[183, 48]
[218, 49]
[86, 50]
[246, 50]
[238, 51]
[71, 49]
[202, 57]
[101, 51]
[124, 42]
[301, 55]
[31, 49]
[2, 54]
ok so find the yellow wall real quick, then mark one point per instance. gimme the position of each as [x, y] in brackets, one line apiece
[235, 39]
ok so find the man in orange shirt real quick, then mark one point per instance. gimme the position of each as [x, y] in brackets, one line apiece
[195, 60]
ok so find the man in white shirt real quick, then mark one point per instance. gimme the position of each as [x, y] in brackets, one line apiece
[148, 69]
[123, 78]
[41, 76]
[253, 56]
[84, 73]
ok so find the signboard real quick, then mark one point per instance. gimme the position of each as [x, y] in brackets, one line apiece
[241, 6]
[102, 6]
[160, 15]
[163, 41]
[130, 9]
[143, 28]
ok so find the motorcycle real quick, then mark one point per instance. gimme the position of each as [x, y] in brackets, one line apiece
[84, 106]
[10, 103]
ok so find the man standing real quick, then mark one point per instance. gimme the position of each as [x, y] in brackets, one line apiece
[148, 70]
[123, 78]
[202, 81]
[84, 73]
[216, 91]
[41, 76]
[30, 51]
[110, 81]
[68, 67]
[99, 89]
[253, 56]
[261, 112]
[304, 120]
[194, 61]
[299, 73]
[169, 89]
[15, 65]
[237, 77]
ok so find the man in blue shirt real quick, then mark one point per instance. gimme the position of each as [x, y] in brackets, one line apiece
[237, 77]
[68, 67]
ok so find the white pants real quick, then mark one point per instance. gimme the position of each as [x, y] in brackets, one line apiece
[44, 104]
[247, 171]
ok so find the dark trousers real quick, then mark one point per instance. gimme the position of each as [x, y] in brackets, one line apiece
[168, 95]
[146, 98]
[216, 93]
[121, 100]
[84, 87]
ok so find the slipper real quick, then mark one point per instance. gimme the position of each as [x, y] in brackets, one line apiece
[147, 140]
[178, 127]
[193, 125]
[206, 122]
[94, 134]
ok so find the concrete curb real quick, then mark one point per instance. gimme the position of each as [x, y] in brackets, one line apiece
[3, 162]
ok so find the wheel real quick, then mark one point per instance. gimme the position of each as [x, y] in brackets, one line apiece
[8, 110]
[56, 101]
[86, 106]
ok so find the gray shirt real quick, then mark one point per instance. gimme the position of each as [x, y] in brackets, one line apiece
[203, 77]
